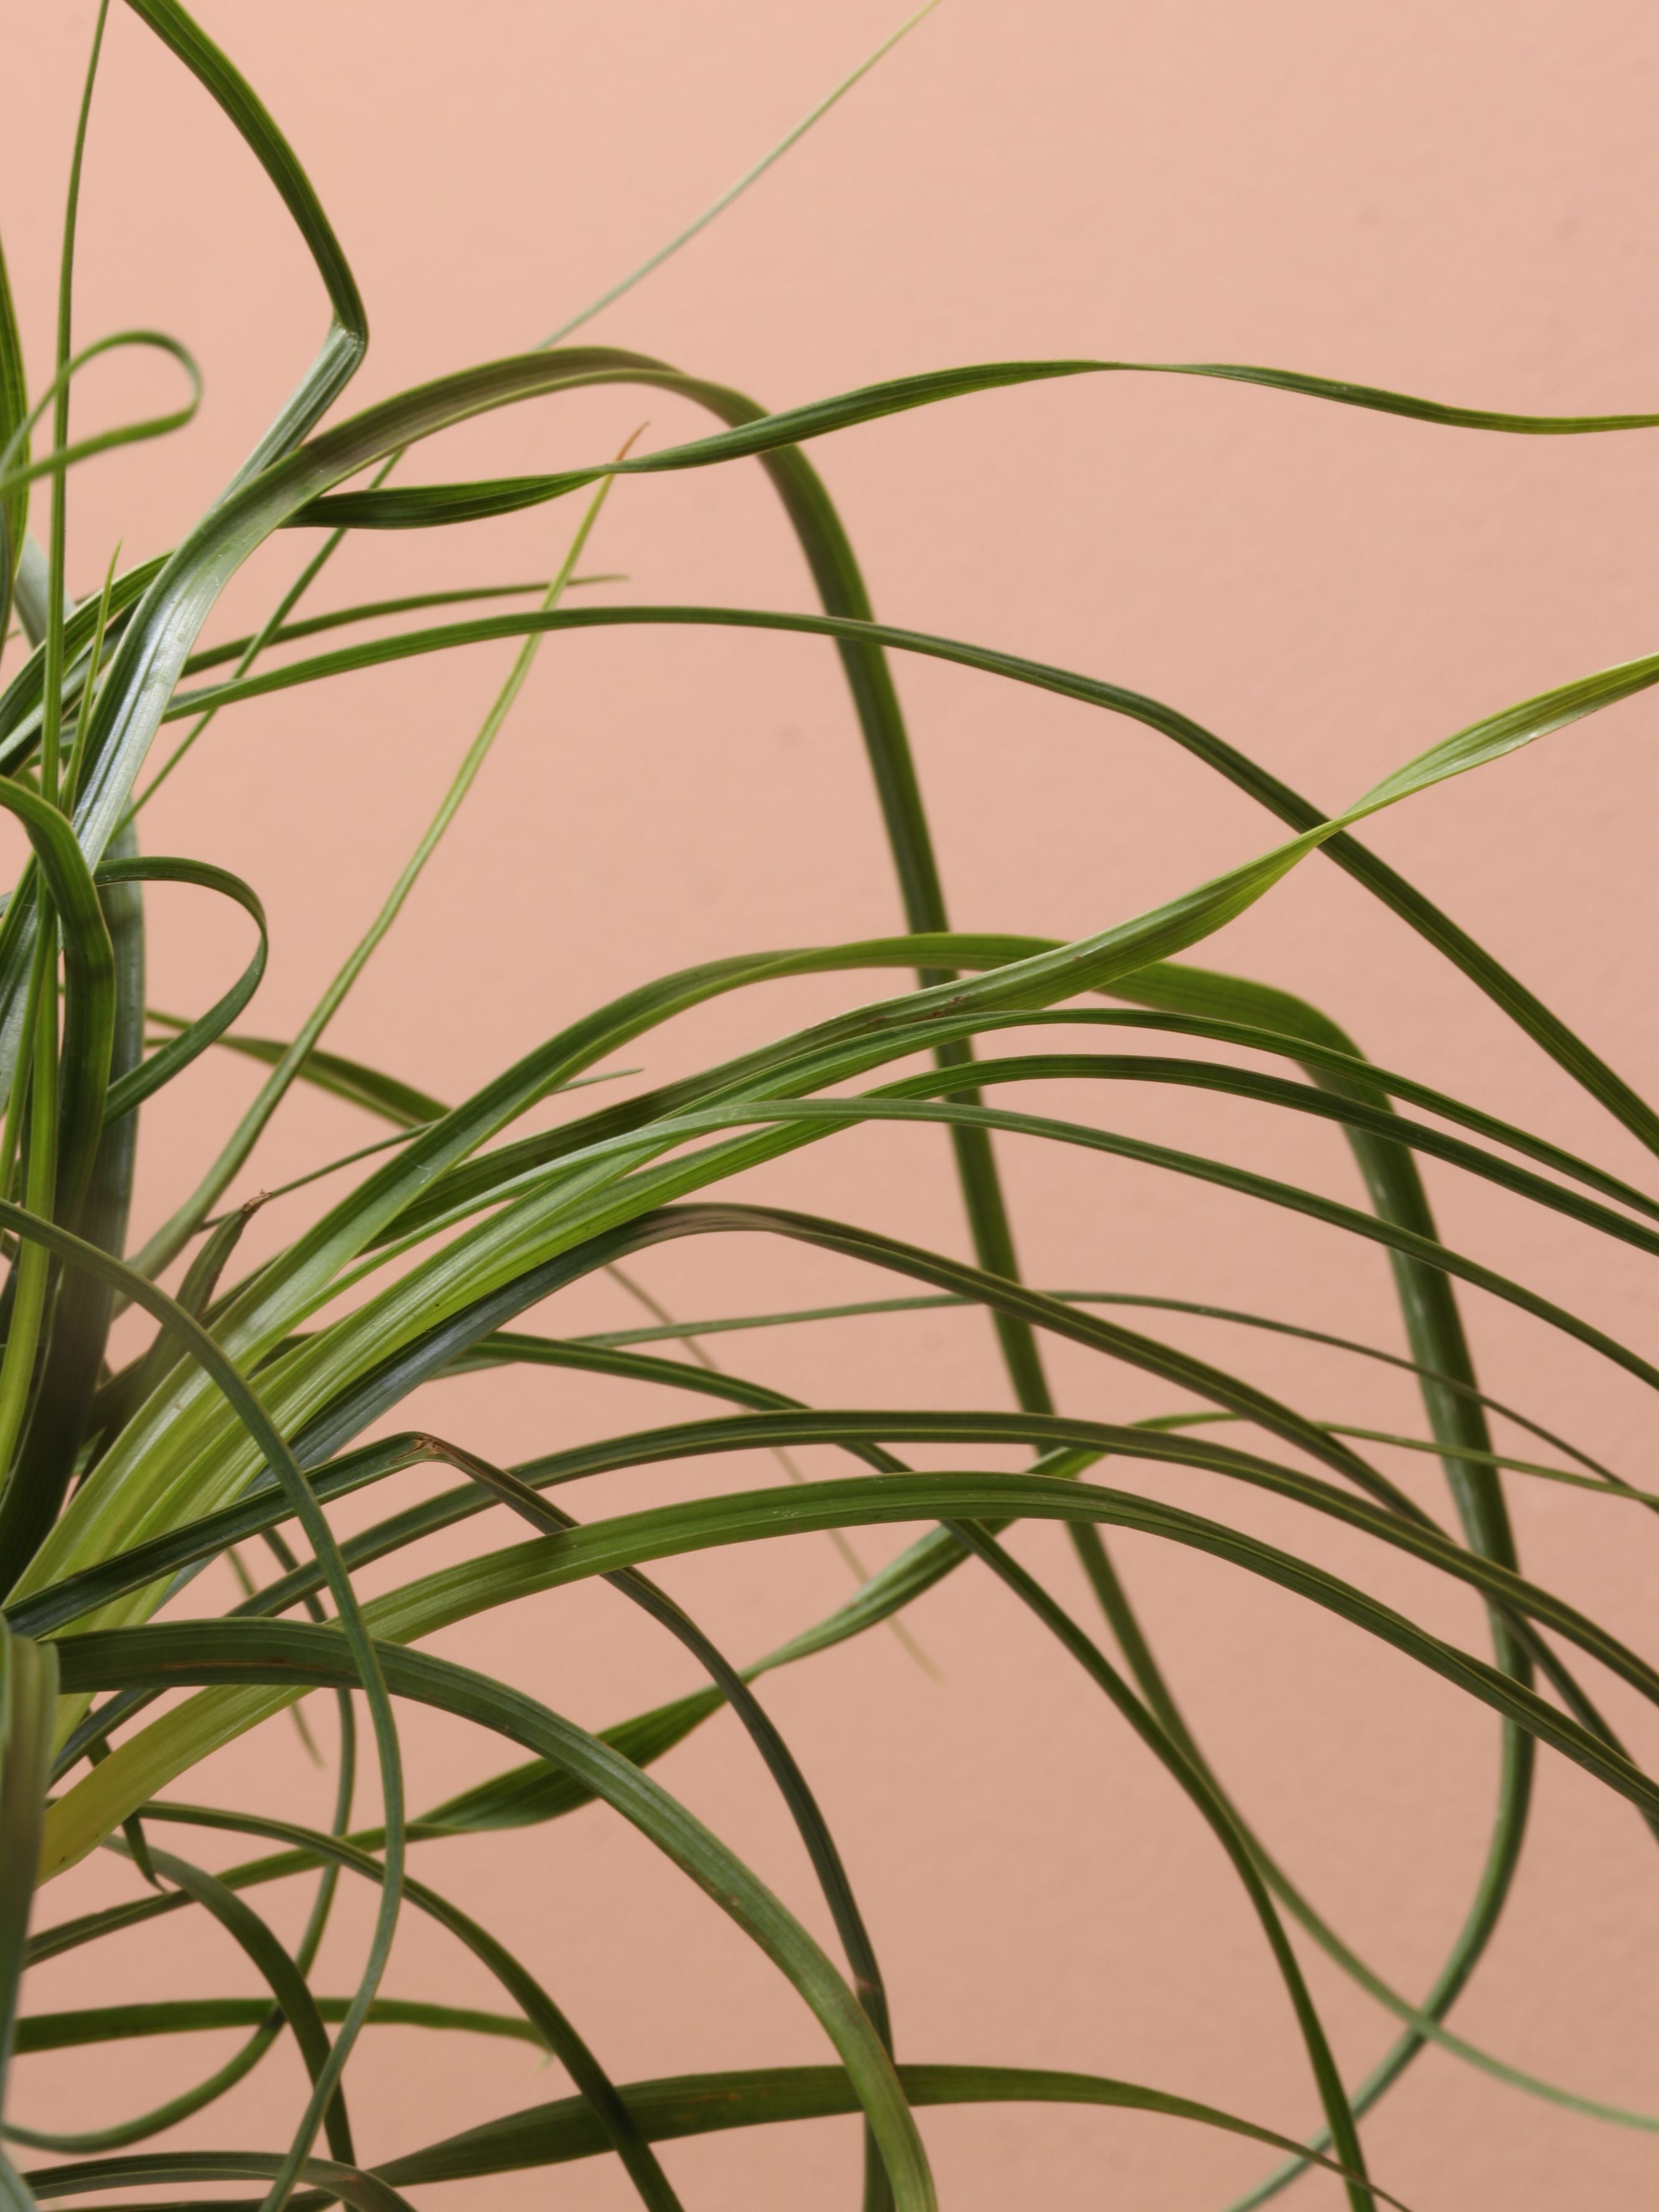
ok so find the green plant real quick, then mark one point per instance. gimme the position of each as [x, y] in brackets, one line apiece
[241, 1418]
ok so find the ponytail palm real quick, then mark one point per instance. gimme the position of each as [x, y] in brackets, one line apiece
[240, 1403]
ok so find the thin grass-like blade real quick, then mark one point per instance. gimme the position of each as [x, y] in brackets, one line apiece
[18, 470]
[345, 2184]
[81, 1321]
[365, 1673]
[13, 412]
[347, 336]
[72, 2030]
[20, 702]
[143, 1081]
[543, 2021]
[350, 1079]
[145, 1762]
[701, 2103]
[1487, 739]
[88, 986]
[416, 506]
[28, 1695]
[685, 1841]
[287, 1985]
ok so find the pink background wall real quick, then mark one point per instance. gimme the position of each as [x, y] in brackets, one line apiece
[1457, 202]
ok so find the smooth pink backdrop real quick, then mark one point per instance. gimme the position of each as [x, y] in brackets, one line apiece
[1456, 202]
